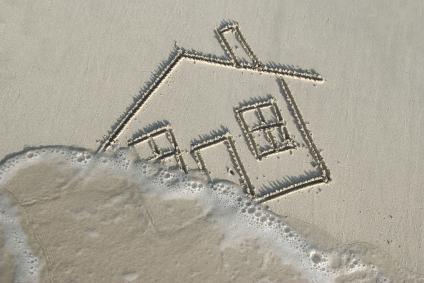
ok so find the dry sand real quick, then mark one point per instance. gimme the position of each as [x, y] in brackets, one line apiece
[69, 68]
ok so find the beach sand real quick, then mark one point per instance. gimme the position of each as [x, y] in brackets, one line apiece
[99, 228]
[118, 219]
[69, 69]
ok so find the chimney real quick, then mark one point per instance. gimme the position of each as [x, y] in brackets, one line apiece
[235, 46]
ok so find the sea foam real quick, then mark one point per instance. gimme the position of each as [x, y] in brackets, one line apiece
[236, 214]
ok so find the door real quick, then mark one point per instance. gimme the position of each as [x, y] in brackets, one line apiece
[217, 156]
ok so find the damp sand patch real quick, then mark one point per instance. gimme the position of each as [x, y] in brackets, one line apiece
[86, 218]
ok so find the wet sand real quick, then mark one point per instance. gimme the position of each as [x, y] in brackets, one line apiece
[90, 218]
[98, 227]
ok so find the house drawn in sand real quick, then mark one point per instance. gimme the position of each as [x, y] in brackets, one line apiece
[231, 116]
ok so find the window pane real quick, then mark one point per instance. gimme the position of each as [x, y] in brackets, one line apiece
[144, 150]
[278, 136]
[163, 144]
[263, 143]
[251, 118]
[269, 114]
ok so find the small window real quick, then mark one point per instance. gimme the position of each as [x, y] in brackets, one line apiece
[264, 128]
[158, 144]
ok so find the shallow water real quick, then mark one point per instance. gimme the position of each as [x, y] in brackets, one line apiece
[69, 215]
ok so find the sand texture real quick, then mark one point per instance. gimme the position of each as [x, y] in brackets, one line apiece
[69, 70]
[85, 218]
[100, 229]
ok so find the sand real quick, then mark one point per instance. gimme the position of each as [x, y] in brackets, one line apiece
[100, 228]
[69, 69]
[89, 218]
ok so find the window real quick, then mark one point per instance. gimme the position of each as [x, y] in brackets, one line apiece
[159, 144]
[264, 128]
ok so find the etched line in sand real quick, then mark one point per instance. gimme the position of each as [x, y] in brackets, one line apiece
[304, 130]
[313, 150]
[119, 126]
[221, 136]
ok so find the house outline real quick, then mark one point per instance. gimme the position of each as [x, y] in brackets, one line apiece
[230, 60]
